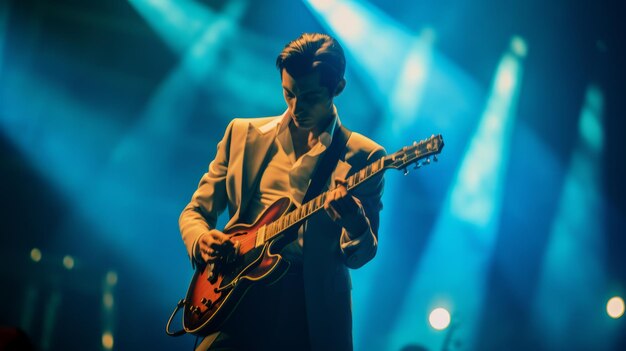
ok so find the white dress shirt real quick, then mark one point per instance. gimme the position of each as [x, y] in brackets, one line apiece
[285, 176]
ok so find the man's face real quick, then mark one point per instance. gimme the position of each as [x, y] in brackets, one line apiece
[309, 104]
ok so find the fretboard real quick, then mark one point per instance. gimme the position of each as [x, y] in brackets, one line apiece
[301, 213]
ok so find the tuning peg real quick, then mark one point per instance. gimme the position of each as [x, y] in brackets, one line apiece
[417, 165]
[435, 158]
[406, 171]
[427, 161]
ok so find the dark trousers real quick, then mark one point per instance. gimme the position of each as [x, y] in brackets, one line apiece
[269, 317]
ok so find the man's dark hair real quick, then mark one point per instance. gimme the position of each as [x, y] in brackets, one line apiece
[314, 52]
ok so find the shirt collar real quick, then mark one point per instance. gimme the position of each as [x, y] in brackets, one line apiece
[326, 137]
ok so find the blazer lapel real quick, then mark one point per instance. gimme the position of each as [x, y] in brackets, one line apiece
[256, 153]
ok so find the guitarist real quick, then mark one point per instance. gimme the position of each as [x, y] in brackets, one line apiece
[262, 159]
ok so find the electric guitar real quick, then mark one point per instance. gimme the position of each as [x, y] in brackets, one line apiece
[217, 287]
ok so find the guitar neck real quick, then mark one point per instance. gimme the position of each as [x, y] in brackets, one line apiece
[408, 155]
[300, 214]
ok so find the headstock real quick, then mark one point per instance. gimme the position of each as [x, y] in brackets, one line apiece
[418, 153]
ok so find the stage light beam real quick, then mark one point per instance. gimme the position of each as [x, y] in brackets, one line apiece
[465, 231]
[178, 22]
[362, 29]
[576, 239]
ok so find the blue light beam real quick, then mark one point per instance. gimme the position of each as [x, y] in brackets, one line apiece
[363, 28]
[178, 22]
[172, 103]
[452, 271]
[569, 306]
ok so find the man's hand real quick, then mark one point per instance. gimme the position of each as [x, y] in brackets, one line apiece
[345, 210]
[214, 245]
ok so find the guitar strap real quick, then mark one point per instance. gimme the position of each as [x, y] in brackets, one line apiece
[327, 163]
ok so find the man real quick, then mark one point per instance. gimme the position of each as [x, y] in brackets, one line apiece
[262, 159]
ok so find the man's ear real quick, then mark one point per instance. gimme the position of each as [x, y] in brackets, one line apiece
[340, 86]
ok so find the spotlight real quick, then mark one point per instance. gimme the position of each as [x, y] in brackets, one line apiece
[519, 47]
[107, 340]
[615, 307]
[68, 262]
[111, 278]
[107, 300]
[439, 318]
[35, 254]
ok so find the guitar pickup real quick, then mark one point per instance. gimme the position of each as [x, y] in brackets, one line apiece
[195, 310]
[260, 236]
[206, 302]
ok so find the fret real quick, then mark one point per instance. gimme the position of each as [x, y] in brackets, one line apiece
[351, 182]
[362, 175]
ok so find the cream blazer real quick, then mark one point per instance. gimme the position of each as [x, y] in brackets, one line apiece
[327, 251]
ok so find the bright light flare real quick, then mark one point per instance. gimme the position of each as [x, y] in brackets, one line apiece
[590, 123]
[350, 25]
[35, 254]
[506, 80]
[111, 278]
[107, 340]
[615, 307]
[107, 300]
[519, 47]
[68, 262]
[322, 5]
[439, 318]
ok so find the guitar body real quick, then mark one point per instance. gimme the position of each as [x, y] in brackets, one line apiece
[211, 299]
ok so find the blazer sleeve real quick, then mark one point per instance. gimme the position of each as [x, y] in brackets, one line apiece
[360, 248]
[209, 200]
